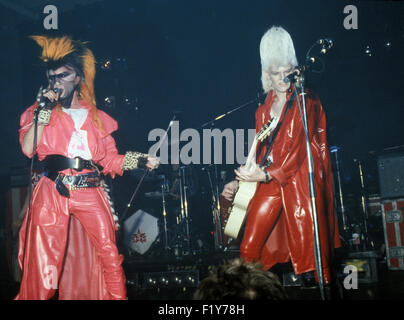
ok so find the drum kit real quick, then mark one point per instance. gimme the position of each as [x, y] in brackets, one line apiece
[165, 225]
[162, 227]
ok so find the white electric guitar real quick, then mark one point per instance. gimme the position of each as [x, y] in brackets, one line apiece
[245, 192]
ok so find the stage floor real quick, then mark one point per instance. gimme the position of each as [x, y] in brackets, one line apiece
[389, 285]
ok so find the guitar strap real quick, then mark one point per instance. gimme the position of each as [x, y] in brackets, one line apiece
[271, 138]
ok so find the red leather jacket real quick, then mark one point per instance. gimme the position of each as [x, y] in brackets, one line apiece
[56, 137]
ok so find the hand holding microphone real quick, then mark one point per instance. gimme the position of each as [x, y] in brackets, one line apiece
[47, 99]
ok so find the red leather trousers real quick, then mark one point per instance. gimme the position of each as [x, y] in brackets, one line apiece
[267, 211]
[263, 212]
[47, 239]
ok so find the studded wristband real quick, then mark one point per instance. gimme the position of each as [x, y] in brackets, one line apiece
[134, 160]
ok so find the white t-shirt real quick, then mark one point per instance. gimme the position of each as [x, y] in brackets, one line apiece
[78, 146]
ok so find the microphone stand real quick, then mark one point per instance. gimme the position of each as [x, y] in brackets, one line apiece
[298, 77]
[312, 186]
[146, 172]
[30, 189]
[231, 111]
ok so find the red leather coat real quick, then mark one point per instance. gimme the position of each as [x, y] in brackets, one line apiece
[79, 275]
[293, 235]
[101, 143]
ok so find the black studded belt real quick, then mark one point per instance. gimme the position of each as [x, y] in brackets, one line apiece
[65, 183]
[55, 163]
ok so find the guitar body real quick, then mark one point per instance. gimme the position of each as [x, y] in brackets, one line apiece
[238, 212]
[246, 190]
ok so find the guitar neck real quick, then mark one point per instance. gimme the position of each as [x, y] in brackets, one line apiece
[251, 153]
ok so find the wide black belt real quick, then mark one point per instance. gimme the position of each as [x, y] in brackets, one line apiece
[56, 162]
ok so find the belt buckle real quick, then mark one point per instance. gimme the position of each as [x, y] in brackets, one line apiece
[77, 164]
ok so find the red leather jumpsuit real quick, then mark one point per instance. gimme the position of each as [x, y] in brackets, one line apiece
[279, 225]
[70, 242]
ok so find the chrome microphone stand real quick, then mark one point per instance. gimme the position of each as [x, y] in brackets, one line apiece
[312, 185]
[298, 78]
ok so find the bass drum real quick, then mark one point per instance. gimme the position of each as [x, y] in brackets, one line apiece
[141, 233]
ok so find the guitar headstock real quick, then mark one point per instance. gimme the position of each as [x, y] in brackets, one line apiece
[264, 132]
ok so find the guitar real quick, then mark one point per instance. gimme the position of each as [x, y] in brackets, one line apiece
[236, 213]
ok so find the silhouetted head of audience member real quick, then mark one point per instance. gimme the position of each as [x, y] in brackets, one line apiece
[239, 280]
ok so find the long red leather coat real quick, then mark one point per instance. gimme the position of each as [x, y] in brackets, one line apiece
[83, 276]
[293, 235]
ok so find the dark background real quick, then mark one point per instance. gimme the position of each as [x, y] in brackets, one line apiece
[202, 58]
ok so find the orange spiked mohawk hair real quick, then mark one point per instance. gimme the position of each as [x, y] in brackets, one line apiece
[63, 51]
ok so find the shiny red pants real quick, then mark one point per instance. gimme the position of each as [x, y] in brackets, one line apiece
[265, 211]
[48, 228]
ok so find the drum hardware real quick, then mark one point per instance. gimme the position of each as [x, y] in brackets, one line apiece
[215, 208]
[164, 188]
[334, 150]
[184, 217]
[365, 235]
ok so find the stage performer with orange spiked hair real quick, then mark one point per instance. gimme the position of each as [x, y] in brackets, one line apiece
[67, 242]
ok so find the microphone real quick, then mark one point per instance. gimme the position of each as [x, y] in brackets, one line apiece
[326, 44]
[292, 77]
[45, 102]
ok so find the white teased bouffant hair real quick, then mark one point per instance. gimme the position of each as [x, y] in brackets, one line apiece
[276, 49]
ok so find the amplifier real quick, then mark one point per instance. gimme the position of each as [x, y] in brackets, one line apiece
[391, 175]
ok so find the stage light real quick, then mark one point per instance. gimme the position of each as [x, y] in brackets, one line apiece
[368, 51]
[127, 101]
[106, 64]
[173, 279]
[151, 281]
[109, 102]
[163, 281]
